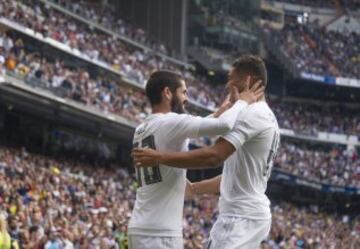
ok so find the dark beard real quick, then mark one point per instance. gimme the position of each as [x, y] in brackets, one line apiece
[177, 106]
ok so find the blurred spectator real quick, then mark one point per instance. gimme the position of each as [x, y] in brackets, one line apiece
[53, 242]
[5, 239]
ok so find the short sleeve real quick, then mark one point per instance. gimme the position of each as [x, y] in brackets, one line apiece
[241, 133]
[187, 126]
[246, 127]
[180, 126]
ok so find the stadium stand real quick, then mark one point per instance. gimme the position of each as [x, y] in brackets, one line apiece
[309, 118]
[110, 96]
[134, 63]
[103, 93]
[314, 50]
[335, 165]
[106, 17]
[341, 48]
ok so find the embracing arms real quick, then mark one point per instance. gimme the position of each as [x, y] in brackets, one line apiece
[206, 157]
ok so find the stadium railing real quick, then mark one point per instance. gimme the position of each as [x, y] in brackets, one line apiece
[280, 175]
[37, 88]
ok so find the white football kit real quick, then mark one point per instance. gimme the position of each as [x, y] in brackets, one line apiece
[158, 209]
[244, 209]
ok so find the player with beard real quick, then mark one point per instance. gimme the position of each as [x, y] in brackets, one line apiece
[156, 220]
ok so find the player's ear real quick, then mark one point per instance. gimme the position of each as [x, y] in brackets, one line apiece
[167, 93]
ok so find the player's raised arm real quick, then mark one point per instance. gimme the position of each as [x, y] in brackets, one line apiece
[206, 157]
[190, 126]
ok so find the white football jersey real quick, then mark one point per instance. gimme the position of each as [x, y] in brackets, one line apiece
[256, 137]
[159, 201]
[160, 196]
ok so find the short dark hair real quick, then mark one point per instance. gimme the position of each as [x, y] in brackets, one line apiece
[252, 65]
[157, 83]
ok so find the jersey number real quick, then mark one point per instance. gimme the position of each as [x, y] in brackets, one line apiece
[151, 174]
[271, 156]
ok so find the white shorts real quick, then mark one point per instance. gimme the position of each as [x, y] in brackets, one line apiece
[238, 233]
[152, 242]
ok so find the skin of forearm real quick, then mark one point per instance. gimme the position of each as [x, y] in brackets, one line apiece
[210, 186]
[196, 159]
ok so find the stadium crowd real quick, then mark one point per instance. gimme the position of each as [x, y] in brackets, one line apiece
[110, 95]
[311, 118]
[64, 204]
[315, 50]
[60, 203]
[106, 17]
[294, 43]
[77, 84]
[336, 166]
[135, 64]
[342, 49]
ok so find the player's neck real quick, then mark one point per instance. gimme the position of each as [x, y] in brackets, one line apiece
[262, 98]
[160, 109]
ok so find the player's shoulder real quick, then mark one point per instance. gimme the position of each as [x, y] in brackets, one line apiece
[151, 121]
[260, 112]
[168, 120]
[175, 117]
[256, 109]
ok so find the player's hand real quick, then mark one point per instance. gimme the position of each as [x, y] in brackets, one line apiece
[223, 107]
[253, 93]
[189, 190]
[234, 94]
[145, 157]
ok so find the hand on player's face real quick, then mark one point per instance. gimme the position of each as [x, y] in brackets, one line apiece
[253, 93]
[233, 94]
[145, 157]
[226, 104]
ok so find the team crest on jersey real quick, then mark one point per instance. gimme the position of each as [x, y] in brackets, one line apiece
[141, 129]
